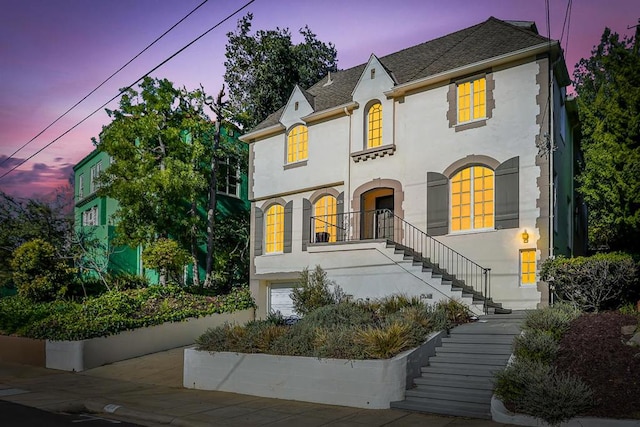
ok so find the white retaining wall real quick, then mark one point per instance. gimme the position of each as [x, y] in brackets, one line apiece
[369, 384]
[91, 353]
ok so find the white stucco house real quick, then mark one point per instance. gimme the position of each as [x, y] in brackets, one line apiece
[444, 170]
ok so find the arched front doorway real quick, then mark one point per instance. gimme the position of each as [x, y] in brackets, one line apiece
[376, 219]
[376, 206]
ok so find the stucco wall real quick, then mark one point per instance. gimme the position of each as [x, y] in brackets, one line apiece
[424, 142]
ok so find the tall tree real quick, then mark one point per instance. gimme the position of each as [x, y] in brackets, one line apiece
[608, 88]
[25, 220]
[158, 139]
[262, 69]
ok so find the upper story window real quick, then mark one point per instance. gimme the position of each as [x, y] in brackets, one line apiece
[81, 186]
[374, 126]
[297, 149]
[90, 216]
[275, 229]
[229, 177]
[472, 100]
[326, 219]
[472, 199]
[95, 172]
[528, 266]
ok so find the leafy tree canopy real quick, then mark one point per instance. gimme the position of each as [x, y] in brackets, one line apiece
[608, 88]
[262, 69]
[25, 220]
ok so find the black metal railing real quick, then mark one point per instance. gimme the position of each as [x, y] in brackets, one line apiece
[382, 224]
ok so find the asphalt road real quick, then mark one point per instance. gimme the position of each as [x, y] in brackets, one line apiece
[14, 415]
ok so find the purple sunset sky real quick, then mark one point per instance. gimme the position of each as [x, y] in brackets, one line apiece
[53, 53]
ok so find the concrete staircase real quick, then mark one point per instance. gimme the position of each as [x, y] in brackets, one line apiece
[458, 381]
[433, 274]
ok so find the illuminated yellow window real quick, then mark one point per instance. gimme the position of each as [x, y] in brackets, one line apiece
[297, 144]
[374, 126]
[325, 221]
[275, 229]
[472, 100]
[528, 266]
[472, 199]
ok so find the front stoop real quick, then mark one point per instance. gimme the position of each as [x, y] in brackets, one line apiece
[458, 381]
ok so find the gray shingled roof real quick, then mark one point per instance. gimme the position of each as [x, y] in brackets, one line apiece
[483, 41]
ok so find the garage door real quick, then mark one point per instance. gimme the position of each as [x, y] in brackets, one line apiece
[280, 299]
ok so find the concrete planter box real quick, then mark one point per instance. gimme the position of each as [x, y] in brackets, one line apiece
[358, 383]
[26, 351]
[91, 353]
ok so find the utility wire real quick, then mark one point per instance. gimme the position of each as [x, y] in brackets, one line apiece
[105, 81]
[129, 87]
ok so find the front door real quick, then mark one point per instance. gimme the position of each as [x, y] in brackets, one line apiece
[384, 217]
[376, 219]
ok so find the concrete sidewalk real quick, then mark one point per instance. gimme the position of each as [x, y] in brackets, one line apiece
[148, 391]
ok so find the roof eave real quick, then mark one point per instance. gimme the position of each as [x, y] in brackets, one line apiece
[403, 89]
[330, 112]
[262, 133]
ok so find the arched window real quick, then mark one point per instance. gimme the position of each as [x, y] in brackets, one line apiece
[326, 219]
[275, 229]
[374, 126]
[472, 199]
[297, 144]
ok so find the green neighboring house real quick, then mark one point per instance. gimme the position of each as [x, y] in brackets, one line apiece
[94, 214]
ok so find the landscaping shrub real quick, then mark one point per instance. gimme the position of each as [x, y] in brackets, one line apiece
[535, 388]
[536, 345]
[338, 342]
[166, 256]
[112, 312]
[345, 313]
[38, 274]
[554, 320]
[123, 281]
[346, 330]
[510, 384]
[312, 290]
[387, 341]
[457, 313]
[599, 282]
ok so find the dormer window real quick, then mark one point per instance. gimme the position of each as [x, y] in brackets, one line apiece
[297, 149]
[374, 125]
[472, 100]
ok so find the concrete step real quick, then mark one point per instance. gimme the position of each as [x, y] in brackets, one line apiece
[477, 359]
[460, 409]
[474, 349]
[505, 339]
[459, 381]
[461, 370]
[456, 394]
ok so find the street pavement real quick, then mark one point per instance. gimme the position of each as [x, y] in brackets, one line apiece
[148, 391]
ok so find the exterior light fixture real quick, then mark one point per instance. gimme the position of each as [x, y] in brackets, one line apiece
[525, 236]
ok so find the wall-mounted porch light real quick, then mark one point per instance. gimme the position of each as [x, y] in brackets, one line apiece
[525, 236]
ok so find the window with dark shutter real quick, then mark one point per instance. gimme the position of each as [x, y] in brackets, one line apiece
[288, 226]
[341, 232]
[259, 228]
[437, 204]
[306, 223]
[507, 194]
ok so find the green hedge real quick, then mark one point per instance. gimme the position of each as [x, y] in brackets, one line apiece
[112, 312]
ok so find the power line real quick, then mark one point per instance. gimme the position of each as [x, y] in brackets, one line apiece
[129, 87]
[102, 84]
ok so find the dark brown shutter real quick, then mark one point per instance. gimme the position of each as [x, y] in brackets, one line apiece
[306, 223]
[288, 226]
[340, 228]
[258, 231]
[437, 204]
[508, 194]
